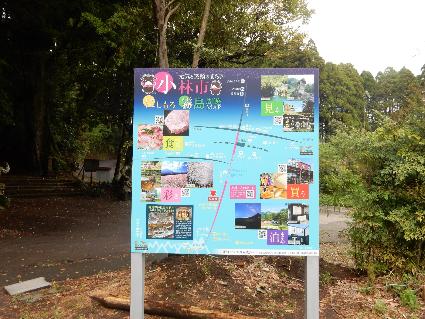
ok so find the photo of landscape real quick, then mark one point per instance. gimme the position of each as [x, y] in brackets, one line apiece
[247, 215]
[200, 174]
[274, 216]
[174, 174]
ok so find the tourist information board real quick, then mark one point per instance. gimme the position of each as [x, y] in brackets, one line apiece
[225, 161]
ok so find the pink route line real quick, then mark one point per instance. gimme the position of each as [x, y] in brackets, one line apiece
[225, 184]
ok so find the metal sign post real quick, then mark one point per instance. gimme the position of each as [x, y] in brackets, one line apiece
[137, 300]
[311, 287]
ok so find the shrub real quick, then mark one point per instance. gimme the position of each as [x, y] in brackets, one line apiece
[408, 298]
[381, 175]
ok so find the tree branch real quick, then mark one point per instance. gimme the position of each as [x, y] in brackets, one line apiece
[167, 17]
[169, 4]
[169, 309]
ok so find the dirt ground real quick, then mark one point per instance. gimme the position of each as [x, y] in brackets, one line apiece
[81, 245]
[264, 287]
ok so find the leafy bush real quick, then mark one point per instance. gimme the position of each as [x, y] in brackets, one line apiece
[408, 298]
[381, 175]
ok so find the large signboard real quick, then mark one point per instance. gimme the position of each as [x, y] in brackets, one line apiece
[225, 161]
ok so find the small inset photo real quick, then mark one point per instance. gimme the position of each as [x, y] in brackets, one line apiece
[273, 185]
[183, 213]
[176, 123]
[298, 116]
[184, 223]
[247, 215]
[200, 174]
[301, 87]
[274, 87]
[274, 215]
[306, 150]
[149, 137]
[174, 174]
[151, 181]
[300, 171]
[298, 213]
[298, 234]
[160, 220]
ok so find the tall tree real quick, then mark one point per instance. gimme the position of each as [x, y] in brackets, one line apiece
[74, 61]
[342, 98]
[163, 11]
[370, 87]
[201, 36]
[396, 92]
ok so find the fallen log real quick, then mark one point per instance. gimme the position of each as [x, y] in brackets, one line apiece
[169, 309]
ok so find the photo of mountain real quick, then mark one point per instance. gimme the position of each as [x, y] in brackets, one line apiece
[174, 174]
[248, 216]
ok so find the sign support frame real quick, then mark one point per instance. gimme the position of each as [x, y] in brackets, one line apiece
[137, 299]
[144, 87]
[311, 287]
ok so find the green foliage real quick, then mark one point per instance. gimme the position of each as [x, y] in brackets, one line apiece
[280, 218]
[342, 97]
[75, 64]
[408, 298]
[326, 278]
[367, 289]
[380, 307]
[381, 174]
[99, 140]
[405, 289]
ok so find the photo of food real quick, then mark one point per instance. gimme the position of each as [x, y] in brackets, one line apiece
[149, 137]
[273, 185]
[147, 83]
[176, 123]
[174, 174]
[274, 216]
[247, 215]
[200, 174]
[160, 221]
[183, 213]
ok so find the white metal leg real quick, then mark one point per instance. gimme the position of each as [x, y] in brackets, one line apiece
[311, 288]
[137, 301]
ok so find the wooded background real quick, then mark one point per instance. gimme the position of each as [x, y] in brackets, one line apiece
[66, 90]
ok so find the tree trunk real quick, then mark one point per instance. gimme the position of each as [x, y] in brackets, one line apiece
[119, 155]
[162, 33]
[163, 12]
[169, 309]
[201, 36]
[39, 115]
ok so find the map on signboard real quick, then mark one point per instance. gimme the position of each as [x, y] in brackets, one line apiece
[225, 161]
